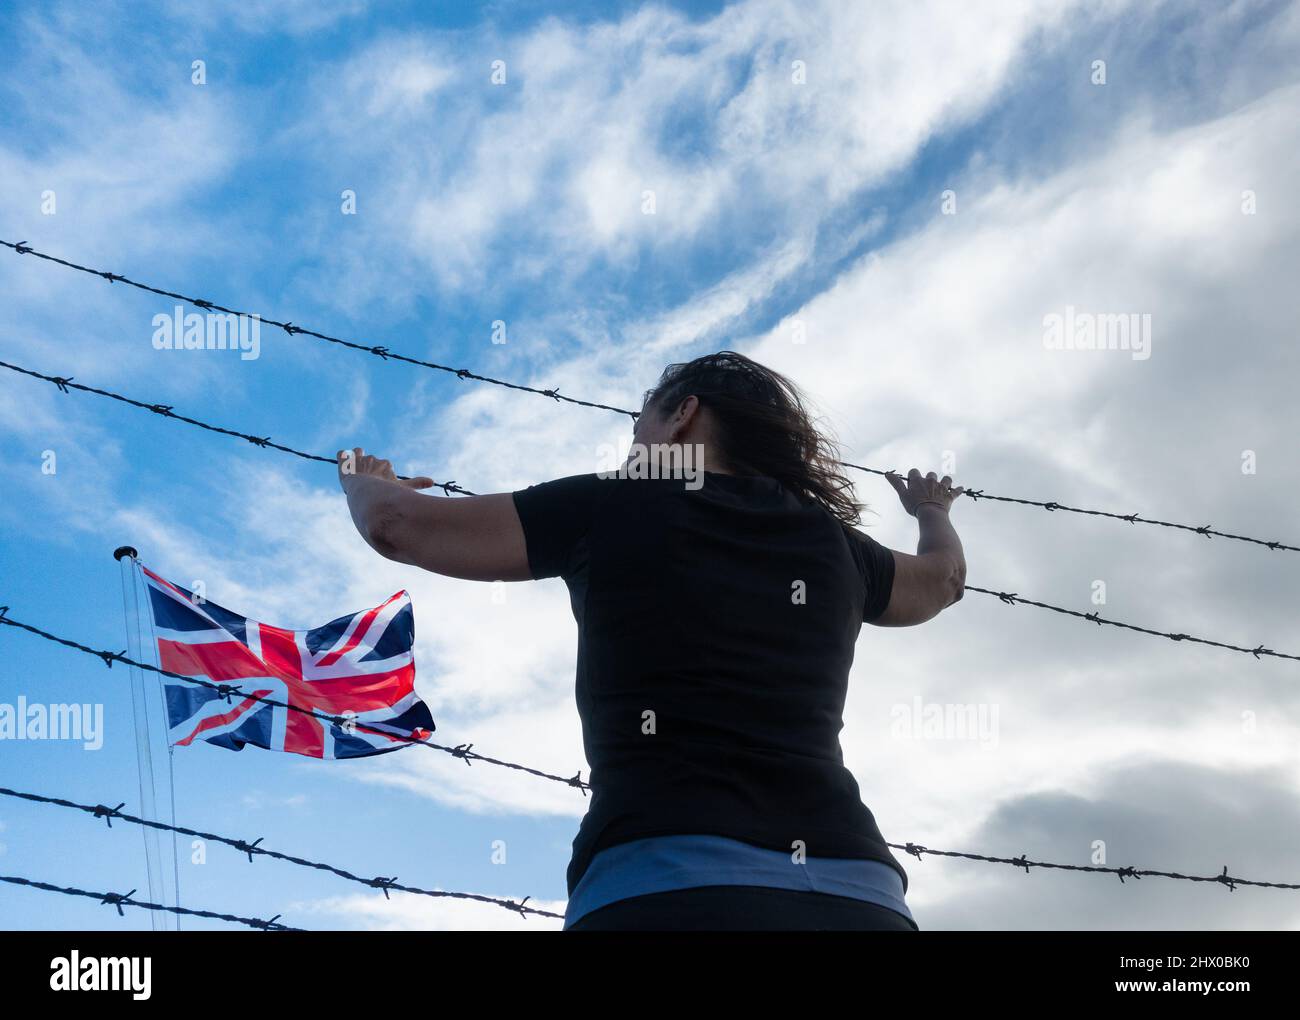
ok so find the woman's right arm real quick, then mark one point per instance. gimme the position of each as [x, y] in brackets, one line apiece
[475, 538]
[935, 578]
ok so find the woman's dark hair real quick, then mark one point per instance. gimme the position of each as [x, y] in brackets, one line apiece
[764, 428]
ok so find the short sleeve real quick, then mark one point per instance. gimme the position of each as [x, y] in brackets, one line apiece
[878, 574]
[555, 516]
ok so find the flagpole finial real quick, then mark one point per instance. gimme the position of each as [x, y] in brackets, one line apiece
[125, 550]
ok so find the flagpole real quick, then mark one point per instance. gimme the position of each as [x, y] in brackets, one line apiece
[171, 753]
[126, 557]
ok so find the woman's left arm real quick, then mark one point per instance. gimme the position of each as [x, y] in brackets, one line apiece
[475, 538]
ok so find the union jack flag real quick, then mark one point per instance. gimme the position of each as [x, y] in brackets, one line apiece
[358, 668]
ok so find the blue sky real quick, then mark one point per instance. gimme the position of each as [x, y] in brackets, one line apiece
[776, 203]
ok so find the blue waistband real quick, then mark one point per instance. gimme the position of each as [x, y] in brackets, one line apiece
[664, 863]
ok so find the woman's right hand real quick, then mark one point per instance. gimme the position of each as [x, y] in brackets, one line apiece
[918, 491]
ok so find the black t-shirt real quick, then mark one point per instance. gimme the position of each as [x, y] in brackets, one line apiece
[716, 628]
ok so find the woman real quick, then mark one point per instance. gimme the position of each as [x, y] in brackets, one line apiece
[717, 615]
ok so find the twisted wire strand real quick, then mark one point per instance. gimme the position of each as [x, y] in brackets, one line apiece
[1011, 598]
[65, 383]
[1223, 878]
[255, 848]
[120, 900]
[22, 248]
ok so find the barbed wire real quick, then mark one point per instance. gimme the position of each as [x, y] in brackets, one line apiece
[120, 900]
[64, 383]
[22, 248]
[1206, 530]
[1011, 598]
[463, 751]
[255, 848]
[916, 850]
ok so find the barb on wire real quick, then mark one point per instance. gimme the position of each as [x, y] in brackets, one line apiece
[254, 848]
[1011, 598]
[120, 900]
[384, 353]
[406, 738]
[165, 410]
[916, 850]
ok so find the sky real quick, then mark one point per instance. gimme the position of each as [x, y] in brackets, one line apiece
[886, 201]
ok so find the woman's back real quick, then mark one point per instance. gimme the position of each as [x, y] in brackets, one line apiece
[716, 629]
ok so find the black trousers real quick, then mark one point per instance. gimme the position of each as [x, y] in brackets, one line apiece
[742, 908]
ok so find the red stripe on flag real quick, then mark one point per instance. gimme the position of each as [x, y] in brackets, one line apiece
[358, 632]
[303, 734]
[363, 693]
[219, 661]
[213, 721]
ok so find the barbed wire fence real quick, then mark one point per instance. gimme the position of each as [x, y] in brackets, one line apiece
[66, 383]
[553, 393]
[254, 848]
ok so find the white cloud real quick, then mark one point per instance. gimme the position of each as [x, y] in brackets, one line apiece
[705, 114]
